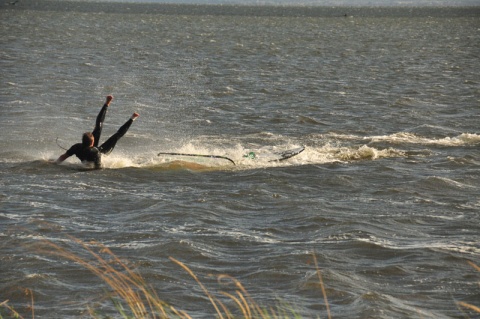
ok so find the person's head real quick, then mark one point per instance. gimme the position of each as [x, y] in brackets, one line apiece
[87, 139]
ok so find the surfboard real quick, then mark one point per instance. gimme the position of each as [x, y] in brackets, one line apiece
[198, 155]
[288, 154]
[274, 157]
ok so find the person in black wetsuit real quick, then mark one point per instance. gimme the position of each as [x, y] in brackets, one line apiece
[88, 151]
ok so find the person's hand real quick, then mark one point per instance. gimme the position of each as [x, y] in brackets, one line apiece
[109, 99]
[135, 115]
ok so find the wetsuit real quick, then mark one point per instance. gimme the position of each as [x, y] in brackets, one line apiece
[88, 154]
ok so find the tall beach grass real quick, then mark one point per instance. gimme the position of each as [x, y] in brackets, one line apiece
[134, 298]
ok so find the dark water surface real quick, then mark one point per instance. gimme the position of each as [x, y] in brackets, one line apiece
[385, 193]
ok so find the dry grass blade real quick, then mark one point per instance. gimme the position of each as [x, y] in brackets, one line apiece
[473, 265]
[467, 305]
[205, 290]
[246, 304]
[248, 314]
[248, 307]
[13, 312]
[125, 283]
[319, 274]
[180, 313]
[33, 308]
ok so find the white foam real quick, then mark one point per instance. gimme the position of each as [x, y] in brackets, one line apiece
[329, 148]
[410, 138]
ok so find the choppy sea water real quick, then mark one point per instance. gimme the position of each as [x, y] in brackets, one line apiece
[385, 194]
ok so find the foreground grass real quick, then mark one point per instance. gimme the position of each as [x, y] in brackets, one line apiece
[134, 298]
[465, 305]
[12, 312]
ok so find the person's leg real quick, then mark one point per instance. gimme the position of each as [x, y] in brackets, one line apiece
[108, 146]
[97, 131]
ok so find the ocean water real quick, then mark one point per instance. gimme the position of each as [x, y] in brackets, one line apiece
[385, 194]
